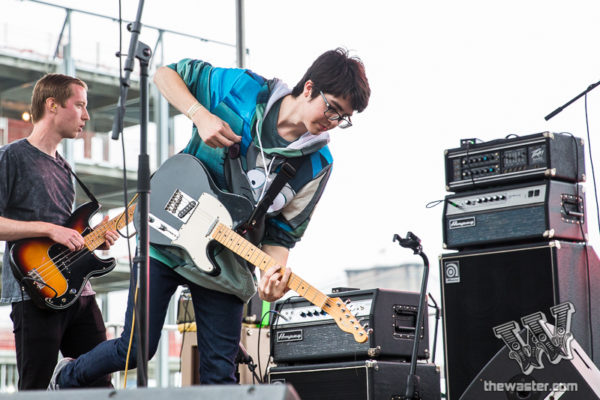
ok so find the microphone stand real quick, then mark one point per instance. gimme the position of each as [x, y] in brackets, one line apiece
[412, 380]
[143, 53]
[567, 104]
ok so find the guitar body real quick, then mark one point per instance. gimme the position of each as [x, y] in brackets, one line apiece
[185, 204]
[53, 275]
[189, 212]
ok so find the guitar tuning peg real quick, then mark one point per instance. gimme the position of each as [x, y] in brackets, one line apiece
[369, 331]
[348, 301]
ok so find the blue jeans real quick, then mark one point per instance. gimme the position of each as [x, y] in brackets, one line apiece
[218, 324]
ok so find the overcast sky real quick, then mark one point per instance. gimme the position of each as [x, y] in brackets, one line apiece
[439, 71]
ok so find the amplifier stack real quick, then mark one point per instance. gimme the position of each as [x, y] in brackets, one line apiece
[517, 218]
[323, 362]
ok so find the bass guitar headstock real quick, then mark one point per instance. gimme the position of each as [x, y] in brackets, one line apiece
[344, 318]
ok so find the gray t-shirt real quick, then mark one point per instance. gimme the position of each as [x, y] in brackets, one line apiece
[33, 187]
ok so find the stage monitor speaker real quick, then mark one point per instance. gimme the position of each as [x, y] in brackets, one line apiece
[212, 392]
[486, 288]
[503, 379]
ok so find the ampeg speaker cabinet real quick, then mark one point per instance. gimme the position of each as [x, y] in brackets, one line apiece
[357, 380]
[515, 159]
[303, 333]
[541, 210]
[487, 288]
[569, 379]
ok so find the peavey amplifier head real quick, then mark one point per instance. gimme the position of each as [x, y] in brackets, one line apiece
[303, 333]
[515, 159]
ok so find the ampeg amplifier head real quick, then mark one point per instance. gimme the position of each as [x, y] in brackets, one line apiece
[543, 155]
[303, 333]
[529, 211]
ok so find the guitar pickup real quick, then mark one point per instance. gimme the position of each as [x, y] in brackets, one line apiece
[162, 227]
[186, 210]
[181, 205]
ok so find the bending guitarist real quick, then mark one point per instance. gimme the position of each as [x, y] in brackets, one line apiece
[244, 128]
[36, 198]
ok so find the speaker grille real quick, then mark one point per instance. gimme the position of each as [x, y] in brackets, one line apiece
[483, 289]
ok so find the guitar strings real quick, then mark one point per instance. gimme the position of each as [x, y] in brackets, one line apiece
[71, 257]
[42, 269]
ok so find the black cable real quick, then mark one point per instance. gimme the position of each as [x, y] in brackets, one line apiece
[589, 288]
[186, 318]
[433, 203]
[587, 127]
[22, 356]
[276, 312]
[437, 319]
[132, 280]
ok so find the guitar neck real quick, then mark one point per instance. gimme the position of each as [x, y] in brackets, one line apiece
[243, 248]
[95, 238]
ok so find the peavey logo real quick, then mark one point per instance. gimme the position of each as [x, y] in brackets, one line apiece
[538, 155]
[539, 338]
[290, 336]
[462, 223]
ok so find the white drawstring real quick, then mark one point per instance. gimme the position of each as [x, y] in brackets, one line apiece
[262, 154]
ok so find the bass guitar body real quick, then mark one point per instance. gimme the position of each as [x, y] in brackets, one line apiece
[54, 275]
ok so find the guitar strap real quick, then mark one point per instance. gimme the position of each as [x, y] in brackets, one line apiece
[85, 189]
[286, 172]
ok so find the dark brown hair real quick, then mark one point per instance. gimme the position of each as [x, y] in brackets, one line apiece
[340, 75]
[57, 86]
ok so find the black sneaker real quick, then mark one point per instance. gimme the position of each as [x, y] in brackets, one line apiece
[53, 385]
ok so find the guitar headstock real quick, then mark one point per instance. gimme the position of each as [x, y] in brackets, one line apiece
[344, 318]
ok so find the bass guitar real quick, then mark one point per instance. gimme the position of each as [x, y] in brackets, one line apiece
[54, 275]
[189, 212]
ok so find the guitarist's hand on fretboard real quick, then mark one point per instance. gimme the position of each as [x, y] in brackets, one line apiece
[273, 284]
[110, 236]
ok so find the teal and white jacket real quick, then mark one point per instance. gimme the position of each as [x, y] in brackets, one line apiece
[242, 99]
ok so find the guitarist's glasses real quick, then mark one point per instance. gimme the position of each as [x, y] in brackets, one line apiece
[332, 115]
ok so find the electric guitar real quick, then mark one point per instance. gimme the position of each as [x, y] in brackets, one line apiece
[54, 275]
[189, 212]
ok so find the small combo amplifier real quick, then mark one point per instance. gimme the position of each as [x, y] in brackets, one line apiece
[541, 210]
[520, 158]
[302, 333]
[358, 380]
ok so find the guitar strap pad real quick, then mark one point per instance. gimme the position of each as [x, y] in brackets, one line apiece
[85, 189]
[239, 184]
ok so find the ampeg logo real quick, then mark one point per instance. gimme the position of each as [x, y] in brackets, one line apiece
[527, 352]
[461, 223]
[289, 336]
[452, 271]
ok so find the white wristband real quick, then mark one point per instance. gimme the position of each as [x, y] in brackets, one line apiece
[192, 110]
